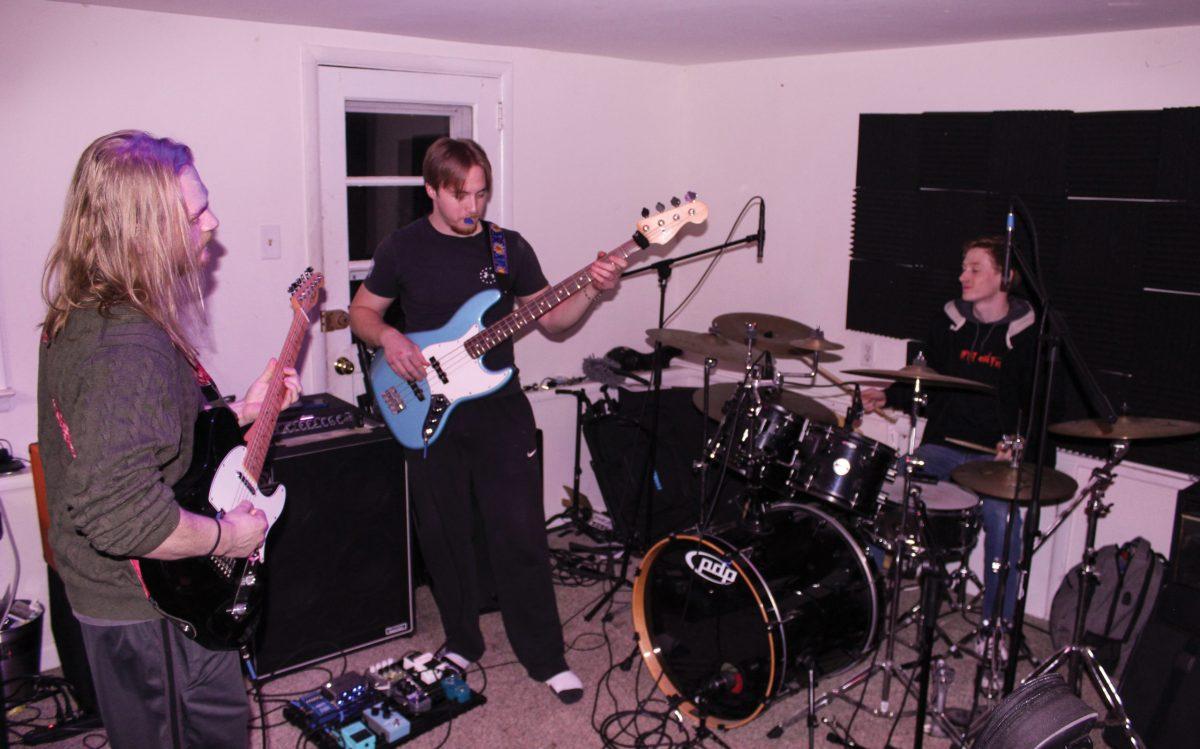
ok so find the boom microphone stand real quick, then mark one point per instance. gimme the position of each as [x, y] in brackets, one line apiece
[646, 491]
[1053, 334]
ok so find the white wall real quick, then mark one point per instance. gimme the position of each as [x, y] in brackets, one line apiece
[594, 140]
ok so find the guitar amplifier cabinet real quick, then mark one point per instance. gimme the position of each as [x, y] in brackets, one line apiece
[338, 562]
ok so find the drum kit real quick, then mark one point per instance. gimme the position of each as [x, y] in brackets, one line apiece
[732, 619]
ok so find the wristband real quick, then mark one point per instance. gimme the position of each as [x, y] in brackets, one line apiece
[218, 541]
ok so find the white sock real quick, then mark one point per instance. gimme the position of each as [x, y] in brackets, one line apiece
[567, 686]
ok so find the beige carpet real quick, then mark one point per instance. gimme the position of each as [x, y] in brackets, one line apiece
[524, 713]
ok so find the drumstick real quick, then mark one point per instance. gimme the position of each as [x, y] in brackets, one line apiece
[849, 390]
[970, 445]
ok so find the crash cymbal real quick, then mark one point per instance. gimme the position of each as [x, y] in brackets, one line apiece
[816, 342]
[926, 374]
[706, 344]
[1126, 428]
[997, 478]
[774, 333]
[801, 405]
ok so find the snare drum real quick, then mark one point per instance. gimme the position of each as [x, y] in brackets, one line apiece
[953, 512]
[841, 467]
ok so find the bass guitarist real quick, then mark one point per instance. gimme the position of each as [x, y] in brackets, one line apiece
[483, 467]
[119, 389]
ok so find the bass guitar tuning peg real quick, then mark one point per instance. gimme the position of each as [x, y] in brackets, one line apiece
[645, 213]
[675, 202]
[659, 207]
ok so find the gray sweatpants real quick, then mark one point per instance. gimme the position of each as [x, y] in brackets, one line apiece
[157, 688]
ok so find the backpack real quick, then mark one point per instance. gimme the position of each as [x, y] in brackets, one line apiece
[1129, 578]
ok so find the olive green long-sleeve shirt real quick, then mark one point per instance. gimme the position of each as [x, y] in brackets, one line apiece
[117, 405]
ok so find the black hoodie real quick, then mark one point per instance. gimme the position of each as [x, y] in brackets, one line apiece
[1000, 354]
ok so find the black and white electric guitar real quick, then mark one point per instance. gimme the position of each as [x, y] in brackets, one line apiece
[215, 600]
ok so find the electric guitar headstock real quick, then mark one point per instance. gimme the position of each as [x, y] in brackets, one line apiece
[306, 291]
[664, 225]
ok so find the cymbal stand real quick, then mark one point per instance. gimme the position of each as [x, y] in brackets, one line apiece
[709, 364]
[991, 627]
[911, 463]
[1076, 655]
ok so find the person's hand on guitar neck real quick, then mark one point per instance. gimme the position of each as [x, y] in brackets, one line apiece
[248, 408]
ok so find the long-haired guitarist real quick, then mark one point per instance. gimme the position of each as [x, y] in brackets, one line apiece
[119, 388]
[483, 466]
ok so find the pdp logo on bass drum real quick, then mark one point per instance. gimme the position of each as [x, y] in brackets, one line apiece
[710, 567]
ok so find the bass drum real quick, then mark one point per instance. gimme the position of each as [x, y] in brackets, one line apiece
[726, 621]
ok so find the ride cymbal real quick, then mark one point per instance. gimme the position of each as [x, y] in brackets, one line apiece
[926, 375]
[1126, 428]
[997, 478]
[773, 333]
[801, 405]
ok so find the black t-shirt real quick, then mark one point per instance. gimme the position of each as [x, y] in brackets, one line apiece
[433, 274]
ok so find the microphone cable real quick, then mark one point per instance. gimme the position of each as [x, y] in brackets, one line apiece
[712, 263]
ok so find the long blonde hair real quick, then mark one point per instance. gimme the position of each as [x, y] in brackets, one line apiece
[126, 238]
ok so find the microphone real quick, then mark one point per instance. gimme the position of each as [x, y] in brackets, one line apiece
[727, 679]
[549, 383]
[762, 231]
[1008, 232]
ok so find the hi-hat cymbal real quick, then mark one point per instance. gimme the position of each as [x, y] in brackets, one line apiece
[1126, 428]
[801, 405]
[915, 372]
[997, 478]
[706, 344]
[773, 333]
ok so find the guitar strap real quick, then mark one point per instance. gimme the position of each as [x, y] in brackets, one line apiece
[494, 236]
[212, 395]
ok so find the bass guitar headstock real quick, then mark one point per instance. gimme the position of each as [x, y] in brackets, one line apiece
[664, 225]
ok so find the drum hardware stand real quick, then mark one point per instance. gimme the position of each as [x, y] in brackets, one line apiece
[991, 628]
[1076, 655]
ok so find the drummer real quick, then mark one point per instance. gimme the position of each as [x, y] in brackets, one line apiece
[988, 336]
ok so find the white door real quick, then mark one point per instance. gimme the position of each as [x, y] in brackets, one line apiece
[374, 127]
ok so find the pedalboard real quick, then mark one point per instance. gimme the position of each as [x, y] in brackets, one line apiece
[394, 702]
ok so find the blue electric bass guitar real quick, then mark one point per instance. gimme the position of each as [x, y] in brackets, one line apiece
[417, 411]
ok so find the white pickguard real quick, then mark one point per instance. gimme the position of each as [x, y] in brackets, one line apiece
[230, 486]
[467, 376]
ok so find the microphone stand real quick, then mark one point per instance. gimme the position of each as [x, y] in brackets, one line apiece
[1053, 334]
[577, 517]
[646, 491]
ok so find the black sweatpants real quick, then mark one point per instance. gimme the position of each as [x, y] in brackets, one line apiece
[157, 688]
[485, 462]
